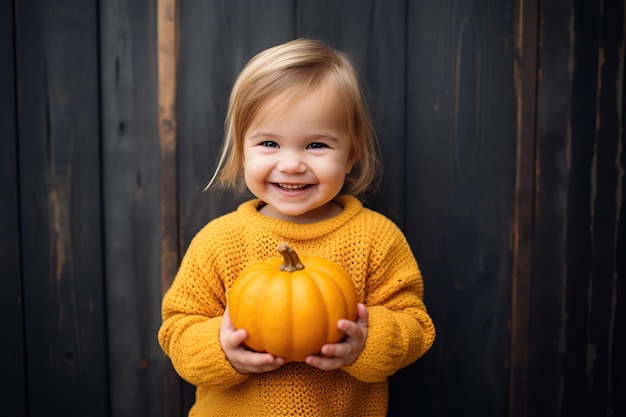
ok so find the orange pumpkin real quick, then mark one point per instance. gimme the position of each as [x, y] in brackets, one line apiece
[290, 307]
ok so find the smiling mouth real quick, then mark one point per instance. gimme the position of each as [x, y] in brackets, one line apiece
[291, 186]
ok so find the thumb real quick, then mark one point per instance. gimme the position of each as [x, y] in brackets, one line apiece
[227, 324]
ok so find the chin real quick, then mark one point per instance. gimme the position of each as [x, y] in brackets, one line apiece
[296, 213]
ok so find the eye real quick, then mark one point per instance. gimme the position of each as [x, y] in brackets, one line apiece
[269, 144]
[317, 145]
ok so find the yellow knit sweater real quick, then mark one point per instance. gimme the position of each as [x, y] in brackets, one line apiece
[377, 256]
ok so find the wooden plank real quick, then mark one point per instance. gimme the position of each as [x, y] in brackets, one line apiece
[373, 34]
[606, 199]
[428, 81]
[616, 401]
[12, 353]
[59, 171]
[580, 235]
[217, 39]
[461, 153]
[131, 166]
[428, 85]
[617, 383]
[167, 59]
[526, 86]
[566, 122]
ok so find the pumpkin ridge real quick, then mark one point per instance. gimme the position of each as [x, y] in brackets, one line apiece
[274, 302]
[313, 324]
[249, 318]
[346, 287]
[289, 307]
[332, 295]
[261, 299]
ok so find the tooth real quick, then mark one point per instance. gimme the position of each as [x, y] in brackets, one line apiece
[292, 187]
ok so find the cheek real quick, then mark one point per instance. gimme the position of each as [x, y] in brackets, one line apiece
[251, 178]
[337, 174]
[247, 167]
[254, 169]
[248, 161]
[248, 171]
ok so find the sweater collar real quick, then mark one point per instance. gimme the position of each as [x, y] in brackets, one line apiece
[290, 230]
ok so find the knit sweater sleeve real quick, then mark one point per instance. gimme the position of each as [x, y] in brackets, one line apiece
[192, 312]
[400, 329]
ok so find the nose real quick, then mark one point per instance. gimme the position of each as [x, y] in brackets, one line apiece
[291, 163]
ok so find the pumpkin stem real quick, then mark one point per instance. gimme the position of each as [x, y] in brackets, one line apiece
[292, 261]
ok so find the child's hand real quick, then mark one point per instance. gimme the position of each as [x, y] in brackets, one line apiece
[242, 359]
[335, 355]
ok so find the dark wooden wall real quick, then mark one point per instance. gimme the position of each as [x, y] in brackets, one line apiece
[502, 132]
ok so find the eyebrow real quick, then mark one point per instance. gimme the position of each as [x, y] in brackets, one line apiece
[262, 135]
[328, 136]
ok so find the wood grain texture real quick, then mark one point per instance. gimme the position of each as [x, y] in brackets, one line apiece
[461, 144]
[12, 353]
[59, 171]
[553, 291]
[132, 217]
[167, 64]
[603, 396]
[523, 209]
[576, 296]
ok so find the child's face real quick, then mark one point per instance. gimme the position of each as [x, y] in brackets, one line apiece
[297, 155]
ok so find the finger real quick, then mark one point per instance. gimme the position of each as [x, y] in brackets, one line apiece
[259, 362]
[331, 351]
[362, 314]
[235, 338]
[353, 330]
[258, 369]
[362, 319]
[325, 364]
[226, 322]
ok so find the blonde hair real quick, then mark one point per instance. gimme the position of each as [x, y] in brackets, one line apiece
[301, 64]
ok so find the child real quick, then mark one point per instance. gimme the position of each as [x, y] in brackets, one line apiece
[299, 137]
